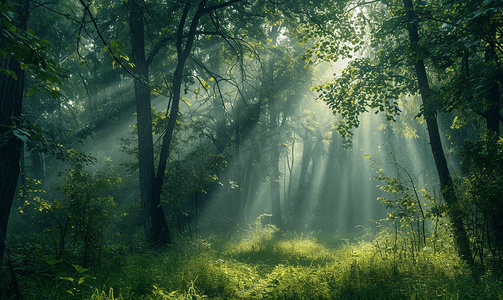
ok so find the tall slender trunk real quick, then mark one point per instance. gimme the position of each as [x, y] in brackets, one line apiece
[153, 219]
[236, 193]
[348, 167]
[274, 186]
[303, 187]
[11, 97]
[273, 129]
[270, 94]
[492, 114]
[456, 214]
[326, 209]
[290, 164]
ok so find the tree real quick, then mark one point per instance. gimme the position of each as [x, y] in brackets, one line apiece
[379, 72]
[446, 185]
[153, 219]
[12, 80]
[151, 184]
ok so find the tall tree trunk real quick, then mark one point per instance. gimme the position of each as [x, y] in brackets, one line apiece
[274, 186]
[236, 193]
[273, 129]
[456, 214]
[153, 219]
[348, 167]
[274, 133]
[290, 164]
[11, 97]
[326, 209]
[492, 114]
[37, 163]
[303, 187]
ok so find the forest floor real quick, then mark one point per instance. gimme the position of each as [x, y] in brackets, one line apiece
[265, 263]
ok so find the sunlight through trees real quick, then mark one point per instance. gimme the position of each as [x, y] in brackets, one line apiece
[247, 149]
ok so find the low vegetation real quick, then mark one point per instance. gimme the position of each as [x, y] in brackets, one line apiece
[263, 262]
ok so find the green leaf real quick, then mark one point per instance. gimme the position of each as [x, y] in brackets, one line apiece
[52, 261]
[21, 135]
[67, 278]
[80, 269]
[11, 73]
[32, 91]
[54, 94]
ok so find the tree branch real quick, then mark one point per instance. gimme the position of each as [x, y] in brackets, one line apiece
[215, 7]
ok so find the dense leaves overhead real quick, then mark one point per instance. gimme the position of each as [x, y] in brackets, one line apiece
[456, 36]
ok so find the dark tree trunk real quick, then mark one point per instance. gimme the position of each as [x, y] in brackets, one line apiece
[236, 194]
[38, 164]
[290, 163]
[326, 210]
[273, 128]
[275, 186]
[348, 167]
[274, 132]
[306, 160]
[303, 187]
[153, 219]
[492, 114]
[11, 97]
[455, 212]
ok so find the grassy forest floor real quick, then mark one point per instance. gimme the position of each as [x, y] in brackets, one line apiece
[265, 263]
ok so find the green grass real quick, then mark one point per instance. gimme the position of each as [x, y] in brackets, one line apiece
[263, 263]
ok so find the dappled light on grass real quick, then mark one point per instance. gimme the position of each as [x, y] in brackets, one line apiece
[265, 263]
[304, 251]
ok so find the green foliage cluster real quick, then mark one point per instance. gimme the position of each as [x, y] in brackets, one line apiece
[481, 189]
[411, 207]
[30, 51]
[77, 224]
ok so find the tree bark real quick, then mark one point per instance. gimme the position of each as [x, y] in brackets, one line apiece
[153, 219]
[456, 214]
[273, 128]
[11, 97]
[303, 187]
[492, 114]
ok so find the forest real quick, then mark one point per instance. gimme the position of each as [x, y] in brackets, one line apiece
[251, 149]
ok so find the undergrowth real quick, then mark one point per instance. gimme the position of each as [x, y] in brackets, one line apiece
[265, 263]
